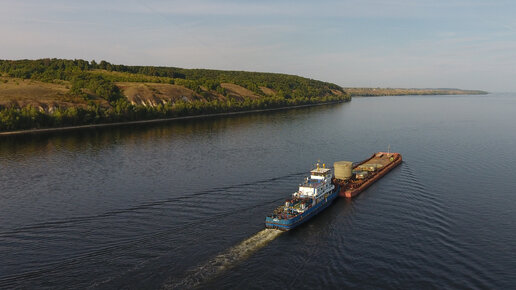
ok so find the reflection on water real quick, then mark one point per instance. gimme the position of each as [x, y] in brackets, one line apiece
[98, 138]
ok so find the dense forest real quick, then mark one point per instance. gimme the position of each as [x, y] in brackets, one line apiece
[93, 92]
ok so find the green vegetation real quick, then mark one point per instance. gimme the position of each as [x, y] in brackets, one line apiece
[95, 96]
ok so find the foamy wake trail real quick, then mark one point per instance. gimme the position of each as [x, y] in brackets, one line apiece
[226, 260]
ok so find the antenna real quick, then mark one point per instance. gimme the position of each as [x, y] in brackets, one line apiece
[389, 149]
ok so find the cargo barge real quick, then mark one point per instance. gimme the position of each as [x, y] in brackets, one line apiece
[352, 180]
[319, 190]
[316, 193]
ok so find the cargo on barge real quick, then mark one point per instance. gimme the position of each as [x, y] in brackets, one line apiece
[352, 180]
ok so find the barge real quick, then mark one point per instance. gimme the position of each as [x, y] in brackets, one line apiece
[355, 179]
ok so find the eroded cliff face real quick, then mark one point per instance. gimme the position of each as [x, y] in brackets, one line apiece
[153, 94]
[47, 97]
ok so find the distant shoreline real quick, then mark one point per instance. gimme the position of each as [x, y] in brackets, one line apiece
[162, 120]
[384, 92]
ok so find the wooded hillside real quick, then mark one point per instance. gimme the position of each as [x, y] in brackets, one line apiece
[57, 92]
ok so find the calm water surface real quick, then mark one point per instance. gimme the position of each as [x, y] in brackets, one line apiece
[182, 205]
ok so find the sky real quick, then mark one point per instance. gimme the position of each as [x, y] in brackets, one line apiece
[468, 44]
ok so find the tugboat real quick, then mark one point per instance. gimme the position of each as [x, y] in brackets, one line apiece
[316, 193]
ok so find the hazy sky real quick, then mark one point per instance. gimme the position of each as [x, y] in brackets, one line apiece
[401, 43]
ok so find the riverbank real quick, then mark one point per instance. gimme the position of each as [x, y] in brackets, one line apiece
[93, 126]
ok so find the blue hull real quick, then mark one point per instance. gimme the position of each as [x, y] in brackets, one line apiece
[288, 224]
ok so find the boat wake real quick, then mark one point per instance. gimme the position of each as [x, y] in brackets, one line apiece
[226, 260]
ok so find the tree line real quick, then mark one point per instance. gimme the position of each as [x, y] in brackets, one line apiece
[288, 86]
[13, 118]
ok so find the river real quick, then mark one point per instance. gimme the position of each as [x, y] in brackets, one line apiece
[182, 204]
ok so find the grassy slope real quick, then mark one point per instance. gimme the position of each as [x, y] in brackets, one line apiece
[16, 92]
[20, 92]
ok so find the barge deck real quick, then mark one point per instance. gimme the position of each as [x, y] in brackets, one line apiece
[368, 172]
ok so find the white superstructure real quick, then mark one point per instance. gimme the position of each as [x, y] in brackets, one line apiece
[317, 185]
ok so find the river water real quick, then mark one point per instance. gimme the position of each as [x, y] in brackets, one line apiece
[182, 204]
